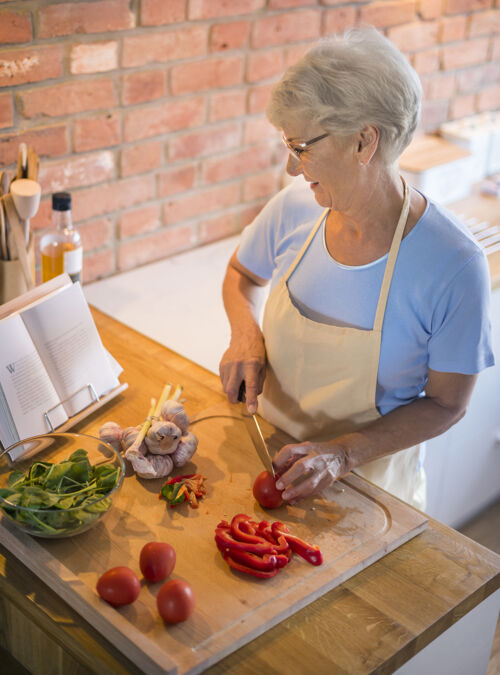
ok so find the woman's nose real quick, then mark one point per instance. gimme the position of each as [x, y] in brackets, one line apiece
[293, 167]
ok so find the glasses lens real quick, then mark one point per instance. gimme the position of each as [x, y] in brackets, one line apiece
[290, 147]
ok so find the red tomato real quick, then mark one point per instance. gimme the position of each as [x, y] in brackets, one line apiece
[266, 492]
[175, 601]
[119, 586]
[157, 560]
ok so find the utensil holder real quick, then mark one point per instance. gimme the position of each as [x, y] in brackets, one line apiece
[12, 280]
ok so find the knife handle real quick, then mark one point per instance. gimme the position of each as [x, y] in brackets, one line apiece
[242, 393]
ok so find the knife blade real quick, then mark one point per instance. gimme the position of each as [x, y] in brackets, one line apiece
[253, 428]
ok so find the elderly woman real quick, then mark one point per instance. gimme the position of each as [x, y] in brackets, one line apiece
[377, 322]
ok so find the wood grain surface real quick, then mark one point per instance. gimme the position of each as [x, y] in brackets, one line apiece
[372, 622]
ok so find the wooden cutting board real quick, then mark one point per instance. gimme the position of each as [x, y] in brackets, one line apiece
[354, 523]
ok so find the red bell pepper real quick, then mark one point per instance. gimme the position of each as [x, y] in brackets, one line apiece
[224, 538]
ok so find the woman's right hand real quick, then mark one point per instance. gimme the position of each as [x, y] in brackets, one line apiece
[244, 359]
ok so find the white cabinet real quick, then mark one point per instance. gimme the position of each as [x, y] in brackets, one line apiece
[463, 464]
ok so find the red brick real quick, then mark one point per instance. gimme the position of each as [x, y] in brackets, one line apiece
[160, 12]
[68, 98]
[452, 28]
[162, 244]
[76, 171]
[248, 214]
[263, 65]
[426, 61]
[489, 98]
[258, 97]
[414, 36]
[430, 9]
[141, 157]
[164, 46]
[476, 78]
[218, 227]
[98, 265]
[237, 164]
[139, 221]
[457, 6]
[462, 106]
[90, 133]
[462, 55]
[205, 142]
[85, 17]
[227, 104]
[6, 111]
[389, 13]
[203, 201]
[329, 3]
[46, 141]
[257, 130]
[434, 113]
[15, 26]
[210, 9]
[295, 53]
[96, 233]
[143, 86]
[176, 180]
[162, 119]
[232, 35]
[94, 57]
[105, 198]
[42, 218]
[338, 20]
[439, 86]
[263, 184]
[287, 4]
[286, 27]
[201, 75]
[484, 23]
[19, 66]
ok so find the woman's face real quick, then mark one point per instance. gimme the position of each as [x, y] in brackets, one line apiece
[331, 168]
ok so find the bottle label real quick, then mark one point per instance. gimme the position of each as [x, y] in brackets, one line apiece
[73, 261]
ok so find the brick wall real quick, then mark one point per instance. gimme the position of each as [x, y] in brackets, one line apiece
[151, 111]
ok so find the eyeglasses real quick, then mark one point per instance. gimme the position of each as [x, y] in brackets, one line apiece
[297, 148]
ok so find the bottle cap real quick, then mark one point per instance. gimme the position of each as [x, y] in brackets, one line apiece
[61, 201]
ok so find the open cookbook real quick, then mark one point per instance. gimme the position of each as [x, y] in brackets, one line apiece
[54, 369]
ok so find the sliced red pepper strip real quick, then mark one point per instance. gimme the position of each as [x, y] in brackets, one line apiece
[267, 562]
[239, 530]
[261, 574]
[224, 538]
[178, 479]
[311, 554]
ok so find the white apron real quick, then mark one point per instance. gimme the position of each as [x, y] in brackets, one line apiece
[321, 379]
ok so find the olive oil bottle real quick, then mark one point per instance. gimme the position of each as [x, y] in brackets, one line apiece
[61, 248]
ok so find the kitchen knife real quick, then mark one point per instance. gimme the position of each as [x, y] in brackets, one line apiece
[255, 432]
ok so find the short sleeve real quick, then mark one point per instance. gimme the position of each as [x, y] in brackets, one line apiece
[460, 340]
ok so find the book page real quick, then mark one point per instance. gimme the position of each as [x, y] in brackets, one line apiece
[27, 391]
[67, 340]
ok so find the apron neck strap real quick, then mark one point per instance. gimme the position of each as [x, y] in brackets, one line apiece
[391, 259]
[305, 246]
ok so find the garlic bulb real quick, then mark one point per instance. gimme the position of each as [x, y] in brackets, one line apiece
[128, 437]
[173, 411]
[185, 450]
[162, 437]
[111, 433]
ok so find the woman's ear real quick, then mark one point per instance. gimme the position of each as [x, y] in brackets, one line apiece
[368, 139]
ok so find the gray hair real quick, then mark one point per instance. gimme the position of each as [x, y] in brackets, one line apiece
[347, 82]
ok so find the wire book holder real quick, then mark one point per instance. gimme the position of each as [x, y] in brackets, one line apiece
[94, 399]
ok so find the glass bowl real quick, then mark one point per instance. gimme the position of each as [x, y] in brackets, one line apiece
[59, 484]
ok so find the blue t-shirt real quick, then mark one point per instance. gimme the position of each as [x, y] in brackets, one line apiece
[437, 313]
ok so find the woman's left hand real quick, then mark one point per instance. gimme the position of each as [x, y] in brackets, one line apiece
[314, 465]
